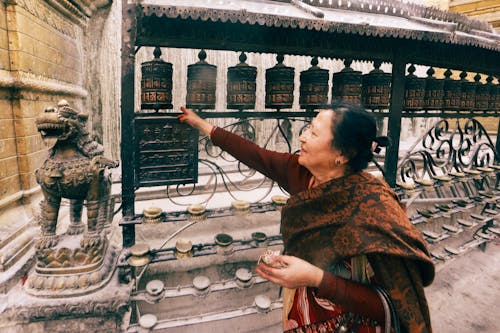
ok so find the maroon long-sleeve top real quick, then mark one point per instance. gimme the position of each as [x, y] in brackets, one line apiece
[284, 168]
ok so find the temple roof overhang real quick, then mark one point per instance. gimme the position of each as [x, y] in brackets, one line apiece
[376, 29]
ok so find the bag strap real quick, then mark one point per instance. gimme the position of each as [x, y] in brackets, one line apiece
[391, 317]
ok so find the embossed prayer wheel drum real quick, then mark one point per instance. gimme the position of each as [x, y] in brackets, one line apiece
[482, 95]
[156, 83]
[376, 91]
[279, 85]
[434, 91]
[467, 93]
[201, 82]
[452, 92]
[313, 87]
[494, 101]
[346, 85]
[414, 91]
[241, 85]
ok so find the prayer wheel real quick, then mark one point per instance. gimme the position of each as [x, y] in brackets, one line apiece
[156, 83]
[414, 91]
[376, 90]
[467, 93]
[452, 92]
[279, 85]
[494, 101]
[313, 87]
[241, 85]
[482, 94]
[201, 82]
[346, 85]
[434, 91]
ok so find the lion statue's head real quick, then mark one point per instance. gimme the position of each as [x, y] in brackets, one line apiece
[64, 123]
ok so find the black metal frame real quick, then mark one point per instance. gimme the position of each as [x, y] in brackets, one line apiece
[142, 30]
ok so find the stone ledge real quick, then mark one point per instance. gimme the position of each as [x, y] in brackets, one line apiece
[27, 81]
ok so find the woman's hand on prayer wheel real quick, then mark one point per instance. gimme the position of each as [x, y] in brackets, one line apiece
[190, 117]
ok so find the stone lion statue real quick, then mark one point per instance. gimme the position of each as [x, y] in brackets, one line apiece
[76, 170]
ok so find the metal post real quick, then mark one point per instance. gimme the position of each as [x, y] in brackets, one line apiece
[497, 145]
[127, 117]
[395, 111]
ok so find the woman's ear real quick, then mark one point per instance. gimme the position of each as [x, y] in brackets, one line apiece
[343, 159]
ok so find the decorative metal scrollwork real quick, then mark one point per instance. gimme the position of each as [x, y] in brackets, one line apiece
[220, 171]
[445, 150]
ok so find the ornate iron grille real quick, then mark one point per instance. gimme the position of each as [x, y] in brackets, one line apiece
[448, 151]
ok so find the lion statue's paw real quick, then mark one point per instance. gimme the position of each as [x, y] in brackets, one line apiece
[45, 242]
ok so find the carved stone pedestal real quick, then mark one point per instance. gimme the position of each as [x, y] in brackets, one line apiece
[101, 311]
[69, 271]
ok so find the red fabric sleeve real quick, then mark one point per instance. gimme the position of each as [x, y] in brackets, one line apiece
[352, 296]
[280, 167]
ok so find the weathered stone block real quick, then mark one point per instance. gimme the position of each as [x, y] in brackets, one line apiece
[31, 162]
[5, 104]
[8, 167]
[25, 127]
[4, 59]
[29, 144]
[27, 180]
[9, 186]
[4, 41]
[7, 148]
[3, 21]
[6, 129]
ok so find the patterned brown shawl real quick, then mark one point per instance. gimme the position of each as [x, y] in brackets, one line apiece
[360, 215]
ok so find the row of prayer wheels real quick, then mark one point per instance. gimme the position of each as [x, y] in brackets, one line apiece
[372, 90]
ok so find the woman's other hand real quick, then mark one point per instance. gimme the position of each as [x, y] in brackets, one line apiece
[296, 273]
[190, 117]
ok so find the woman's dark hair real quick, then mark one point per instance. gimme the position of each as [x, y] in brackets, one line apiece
[354, 133]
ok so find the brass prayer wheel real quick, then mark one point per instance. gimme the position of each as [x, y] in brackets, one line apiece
[241, 85]
[494, 101]
[434, 91]
[313, 87]
[156, 83]
[346, 85]
[201, 82]
[452, 92]
[376, 90]
[279, 85]
[467, 93]
[414, 91]
[482, 94]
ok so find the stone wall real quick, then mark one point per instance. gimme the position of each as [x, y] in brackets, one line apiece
[41, 62]
[48, 52]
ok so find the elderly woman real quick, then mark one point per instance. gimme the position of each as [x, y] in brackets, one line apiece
[354, 261]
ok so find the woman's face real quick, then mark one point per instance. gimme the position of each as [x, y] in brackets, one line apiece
[316, 151]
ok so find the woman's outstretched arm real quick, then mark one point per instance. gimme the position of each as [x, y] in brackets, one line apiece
[280, 167]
